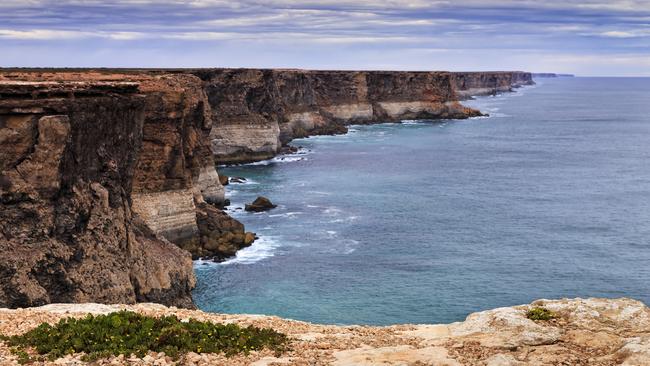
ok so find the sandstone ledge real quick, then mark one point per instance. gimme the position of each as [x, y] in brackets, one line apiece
[587, 332]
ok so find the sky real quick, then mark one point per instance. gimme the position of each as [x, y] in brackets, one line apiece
[587, 38]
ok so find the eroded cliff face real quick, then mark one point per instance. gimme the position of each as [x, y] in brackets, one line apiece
[68, 153]
[255, 112]
[99, 174]
[105, 177]
[468, 84]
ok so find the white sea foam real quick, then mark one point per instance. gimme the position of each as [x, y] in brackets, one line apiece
[320, 193]
[409, 122]
[284, 158]
[262, 248]
[286, 214]
[279, 159]
[246, 182]
[332, 211]
[350, 246]
[499, 115]
[346, 219]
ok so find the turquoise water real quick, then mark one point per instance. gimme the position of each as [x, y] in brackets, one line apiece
[426, 222]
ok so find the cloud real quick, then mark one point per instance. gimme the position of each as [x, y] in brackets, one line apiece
[282, 37]
[51, 35]
[325, 32]
[42, 34]
[626, 34]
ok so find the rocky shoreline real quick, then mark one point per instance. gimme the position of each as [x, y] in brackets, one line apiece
[591, 331]
[108, 186]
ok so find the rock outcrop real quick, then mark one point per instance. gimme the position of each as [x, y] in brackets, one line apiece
[598, 332]
[260, 204]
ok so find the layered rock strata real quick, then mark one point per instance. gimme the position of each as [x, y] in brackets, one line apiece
[256, 112]
[586, 332]
[98, 173]
[469, 84]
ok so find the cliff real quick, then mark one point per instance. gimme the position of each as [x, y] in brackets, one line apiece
[105, 174]
[98, 173]
[256, 112]
[585, 332]
[468, 84]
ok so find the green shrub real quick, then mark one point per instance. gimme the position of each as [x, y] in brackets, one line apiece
[129, 333]
[540, 313]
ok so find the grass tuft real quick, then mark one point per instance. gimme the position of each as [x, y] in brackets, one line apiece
[540, 313]
[129, 333]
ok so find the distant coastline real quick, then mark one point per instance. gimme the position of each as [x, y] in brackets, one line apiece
[551, 75]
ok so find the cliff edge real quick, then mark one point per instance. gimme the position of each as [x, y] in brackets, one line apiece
[591, 331]
[256, 112]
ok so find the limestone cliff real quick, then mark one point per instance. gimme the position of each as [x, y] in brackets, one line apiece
[468, 84]
[256, 111]
[98, 173]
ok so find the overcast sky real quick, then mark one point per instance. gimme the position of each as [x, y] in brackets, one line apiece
[593, 37]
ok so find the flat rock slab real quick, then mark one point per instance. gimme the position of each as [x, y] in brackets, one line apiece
[586, 332]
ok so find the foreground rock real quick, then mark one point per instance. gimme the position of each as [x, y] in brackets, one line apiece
[587, 332]
[260, 204]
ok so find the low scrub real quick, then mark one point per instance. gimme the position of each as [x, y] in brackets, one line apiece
[540, 313]
[129, 333]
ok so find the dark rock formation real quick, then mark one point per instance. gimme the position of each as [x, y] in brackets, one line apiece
[221, 236]
[260, 204]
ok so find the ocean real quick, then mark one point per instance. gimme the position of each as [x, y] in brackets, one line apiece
[428, 221]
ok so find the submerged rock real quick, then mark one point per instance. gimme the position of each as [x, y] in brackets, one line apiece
[260, 204]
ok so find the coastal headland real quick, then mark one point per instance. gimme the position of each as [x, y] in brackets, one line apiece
[109, 189]
[108, 186]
